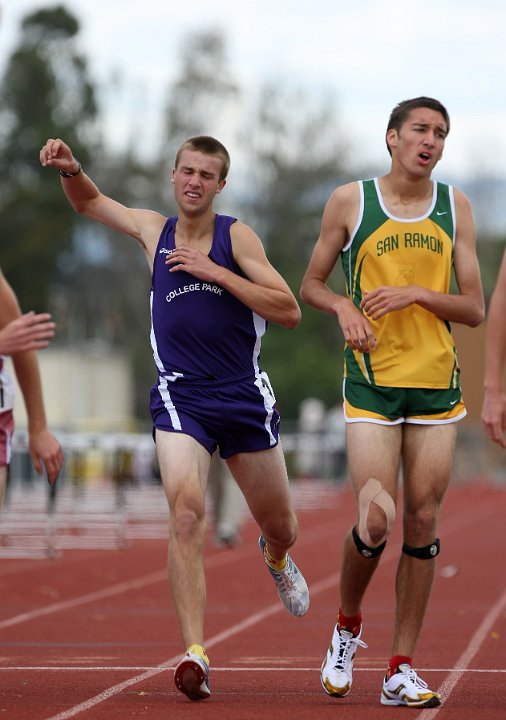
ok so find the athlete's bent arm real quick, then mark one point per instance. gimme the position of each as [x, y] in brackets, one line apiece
[44, 448]
[339, 217]
[263, 289]
[19, 333]
[466, 307]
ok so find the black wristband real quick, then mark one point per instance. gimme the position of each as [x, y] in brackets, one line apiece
[66, 174]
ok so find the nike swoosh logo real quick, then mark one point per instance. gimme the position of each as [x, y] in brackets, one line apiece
[442, 213]
[453, 402]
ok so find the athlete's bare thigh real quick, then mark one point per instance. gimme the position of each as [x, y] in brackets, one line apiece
[374, 451]
[427, 455]
[184, 465]
[263, 479]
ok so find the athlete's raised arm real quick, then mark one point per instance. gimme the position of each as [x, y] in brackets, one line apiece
[85, 197]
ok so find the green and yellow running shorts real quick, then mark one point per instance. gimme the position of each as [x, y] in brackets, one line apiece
[393, 405]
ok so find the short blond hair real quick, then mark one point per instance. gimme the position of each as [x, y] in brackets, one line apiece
[209, 146]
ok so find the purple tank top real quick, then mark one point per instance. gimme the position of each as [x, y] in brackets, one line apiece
[199, 331]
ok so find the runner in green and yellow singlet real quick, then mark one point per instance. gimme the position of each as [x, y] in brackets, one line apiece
[398, 237]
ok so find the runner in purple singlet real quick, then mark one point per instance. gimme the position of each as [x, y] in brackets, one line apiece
[213, 293]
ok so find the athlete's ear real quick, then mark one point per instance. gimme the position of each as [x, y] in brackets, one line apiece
[172, 179]
[392, 138]
[220, 187]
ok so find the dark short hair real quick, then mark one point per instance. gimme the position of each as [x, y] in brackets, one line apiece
[209, 146]
[401, 111]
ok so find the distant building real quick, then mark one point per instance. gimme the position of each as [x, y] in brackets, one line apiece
[86, 389]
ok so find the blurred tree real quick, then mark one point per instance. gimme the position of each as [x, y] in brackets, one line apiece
[299, 156]
[288, 154]
[286, 158]
[197, 102]
[114, 275]
[110, 292]
[203, 98]
[45, 92]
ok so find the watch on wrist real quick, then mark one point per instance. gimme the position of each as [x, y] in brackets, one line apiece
[73, 174]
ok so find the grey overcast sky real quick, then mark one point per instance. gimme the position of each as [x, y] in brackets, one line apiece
[367, 54]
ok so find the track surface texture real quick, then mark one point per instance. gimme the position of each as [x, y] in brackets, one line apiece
[91, 633]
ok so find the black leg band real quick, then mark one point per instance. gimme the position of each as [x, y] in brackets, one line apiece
[422, 553]
[365, 550]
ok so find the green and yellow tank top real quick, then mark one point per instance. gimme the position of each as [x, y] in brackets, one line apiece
[414, 348]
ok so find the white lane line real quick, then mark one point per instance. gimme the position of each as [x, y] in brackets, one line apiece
[211, 642]
[247, 622]
[168, 664]
[465, 659]
[110, 692]
[211, 562]
[277, 668]
[257, 617]
[123, 587]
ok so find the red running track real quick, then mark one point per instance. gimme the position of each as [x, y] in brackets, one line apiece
[92, 634]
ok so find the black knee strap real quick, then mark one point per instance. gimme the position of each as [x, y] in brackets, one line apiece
[365, 550]
[422, 553]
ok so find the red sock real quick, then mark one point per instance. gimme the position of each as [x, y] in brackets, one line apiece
[351, 623]
[394, 663]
